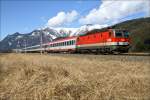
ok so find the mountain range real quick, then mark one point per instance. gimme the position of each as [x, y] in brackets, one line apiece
[139, 29]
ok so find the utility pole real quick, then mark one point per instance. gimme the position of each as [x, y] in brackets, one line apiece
[18, 46]
[25, 44]
[41, 42]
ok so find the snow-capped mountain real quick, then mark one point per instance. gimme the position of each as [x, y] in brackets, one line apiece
[65, 32]
[78, 31]
[19, 40]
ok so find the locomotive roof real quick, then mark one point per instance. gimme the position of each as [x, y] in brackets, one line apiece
[96, 31]
[101, 30]
[62, 39]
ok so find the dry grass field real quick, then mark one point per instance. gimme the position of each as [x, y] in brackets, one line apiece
[74, 77]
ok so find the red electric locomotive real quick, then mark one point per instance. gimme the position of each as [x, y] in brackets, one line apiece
[107, 41]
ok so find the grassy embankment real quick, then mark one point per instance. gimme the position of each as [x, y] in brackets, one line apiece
[74, 77]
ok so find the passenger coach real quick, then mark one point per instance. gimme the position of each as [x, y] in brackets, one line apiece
[62, 45]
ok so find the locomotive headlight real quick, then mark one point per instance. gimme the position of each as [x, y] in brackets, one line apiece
[108, 40]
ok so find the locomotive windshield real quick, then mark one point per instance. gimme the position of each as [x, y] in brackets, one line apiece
[126, 34]
[121, 33]
[118, 34]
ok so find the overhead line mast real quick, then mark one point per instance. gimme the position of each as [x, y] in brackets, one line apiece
[41, 42]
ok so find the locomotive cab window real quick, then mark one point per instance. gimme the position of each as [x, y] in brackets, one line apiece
[118, 34]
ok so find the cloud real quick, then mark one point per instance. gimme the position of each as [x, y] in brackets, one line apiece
[112, 11]
[62, 18]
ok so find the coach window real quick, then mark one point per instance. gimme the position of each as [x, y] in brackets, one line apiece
[67, 42]
[71, 42]
[63, 43]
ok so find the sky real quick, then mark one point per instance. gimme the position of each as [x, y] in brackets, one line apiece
[26, 15]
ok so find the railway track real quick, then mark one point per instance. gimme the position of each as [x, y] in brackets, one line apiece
[122, 54]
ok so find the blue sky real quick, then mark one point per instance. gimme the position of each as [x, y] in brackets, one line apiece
[25, 16]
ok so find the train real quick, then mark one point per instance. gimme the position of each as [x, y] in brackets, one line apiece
[106, 41]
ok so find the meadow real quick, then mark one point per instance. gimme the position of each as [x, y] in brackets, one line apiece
[74, 77]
